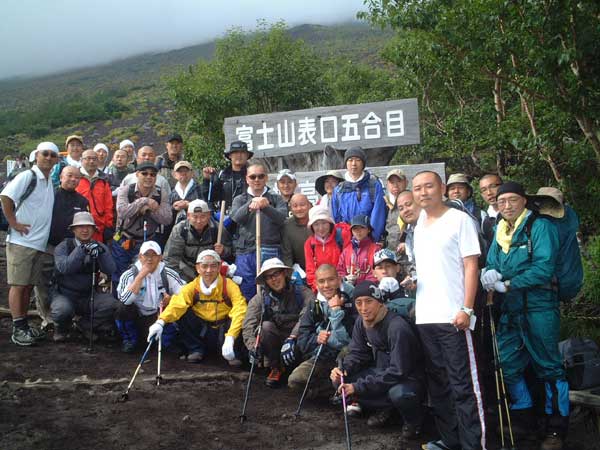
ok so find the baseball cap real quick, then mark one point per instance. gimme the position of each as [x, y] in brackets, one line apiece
[395, 173]
[286, 173]
[181, 164]
[360, 220]
[150, 245]
[145, 166]
[175, 137]
[385, 254]
[73, 136]
[197, 206]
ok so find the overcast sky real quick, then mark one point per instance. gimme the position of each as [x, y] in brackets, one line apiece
[45, 36]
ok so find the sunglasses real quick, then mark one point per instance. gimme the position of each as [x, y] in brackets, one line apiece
[238, 147]
[148, 174]
[258, 176]
[49, 153]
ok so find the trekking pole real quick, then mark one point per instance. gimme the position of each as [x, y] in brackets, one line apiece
[259, 329]
[158, 375]
[125, 395]
[499, 376]
[346, 425]
[221, 220]
[310, 374]
[145, 230]
[90, 348]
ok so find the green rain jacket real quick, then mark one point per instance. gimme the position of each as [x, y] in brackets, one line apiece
[530, 277]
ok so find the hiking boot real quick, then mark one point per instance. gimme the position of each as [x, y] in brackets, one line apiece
[22, 336]
[380, 418]
[128, 346]
[353, 409]
[195, 357]
[37, 333]
[274, 378]
[410, 431]
[435, 445]
[552, 441]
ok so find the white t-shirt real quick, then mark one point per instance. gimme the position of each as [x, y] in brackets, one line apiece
[35, 211]
[439, 251]
[492, 212]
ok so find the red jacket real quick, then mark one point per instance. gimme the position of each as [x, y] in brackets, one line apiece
[99, 196]
[317, 253]
[359, 260]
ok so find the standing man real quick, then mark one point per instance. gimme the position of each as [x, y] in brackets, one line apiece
[488, 186]
[29, 221]
[396, 183]
[243, 212]
[296, 232]
[74, 147]
[141, 209]
[230, 181]
[146, 154]
[446, 253]
[165, 163]
[521, 265]
[96, 189]
[459, 188]
[359, 193]
[286, 186]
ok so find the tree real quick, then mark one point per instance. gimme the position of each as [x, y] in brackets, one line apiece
[259, 72]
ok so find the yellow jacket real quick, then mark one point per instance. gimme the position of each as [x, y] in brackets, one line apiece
[210, 308]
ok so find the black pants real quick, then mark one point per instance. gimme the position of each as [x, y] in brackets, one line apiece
[454, 385]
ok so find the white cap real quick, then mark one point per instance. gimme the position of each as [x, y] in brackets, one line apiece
[150, 245]
[197, 206]
[286, 173]
[32, 156]
[100, 146]
[47, 146]
[126, 143]
[208, 254]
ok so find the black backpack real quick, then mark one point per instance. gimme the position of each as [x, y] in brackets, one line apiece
[28, 191]
[581, 358]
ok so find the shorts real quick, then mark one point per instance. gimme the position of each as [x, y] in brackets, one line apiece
[23, 265]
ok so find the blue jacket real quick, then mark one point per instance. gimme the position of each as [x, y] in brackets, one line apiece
[531, 277]
[351, 199]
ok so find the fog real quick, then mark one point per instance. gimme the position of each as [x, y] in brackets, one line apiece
[40, 37]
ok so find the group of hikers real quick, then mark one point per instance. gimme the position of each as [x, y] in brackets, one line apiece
[392, 295]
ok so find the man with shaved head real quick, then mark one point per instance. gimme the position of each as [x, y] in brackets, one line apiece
[95, 188]
[296, 232]
[118, 170]
[147, 154]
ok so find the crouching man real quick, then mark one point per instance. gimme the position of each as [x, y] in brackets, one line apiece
[209, 312]
[144, 290]
[328, 322]
[76, 260]
[383, 367]
[283, 303]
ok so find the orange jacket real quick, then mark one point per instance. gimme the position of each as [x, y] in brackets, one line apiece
[99, 196]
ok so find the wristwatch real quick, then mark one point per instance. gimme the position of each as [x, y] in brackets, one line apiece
[467, 311]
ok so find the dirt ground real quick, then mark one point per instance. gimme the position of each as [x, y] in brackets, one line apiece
[59, 396]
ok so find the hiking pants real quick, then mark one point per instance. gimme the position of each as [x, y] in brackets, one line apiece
[319, 383]
[198, 335]
[64, 307]
[453, 385]
[123, 259]
[271, 340]
[133, 327]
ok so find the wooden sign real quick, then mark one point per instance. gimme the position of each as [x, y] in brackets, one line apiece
[369, 125]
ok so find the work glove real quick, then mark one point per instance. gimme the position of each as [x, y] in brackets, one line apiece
[227, 350]
[287, 351]
[489, 277]
[155, 330]
[499, 286]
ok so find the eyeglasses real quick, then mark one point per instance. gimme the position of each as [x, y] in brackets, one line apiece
[489, 188]
[49, 153]
[148, 174]
[275, 274]
[512, 201]
[258, 176]
[238, 146]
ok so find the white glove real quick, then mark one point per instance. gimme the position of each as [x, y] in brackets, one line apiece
[299, 270]
[489, 277]
[389, 284]
[227, 350]
[155, 330]
[499, 286]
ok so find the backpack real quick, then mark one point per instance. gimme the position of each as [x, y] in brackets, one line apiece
[581, 358]
[483, 243]
[226, 298]
[131, 198]
[568, 274]
[28, 191]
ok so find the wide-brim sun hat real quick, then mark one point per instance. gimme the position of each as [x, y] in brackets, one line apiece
[319, 212]
[271, 264]
[83, 218]
[549, 201]
[320, 182]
